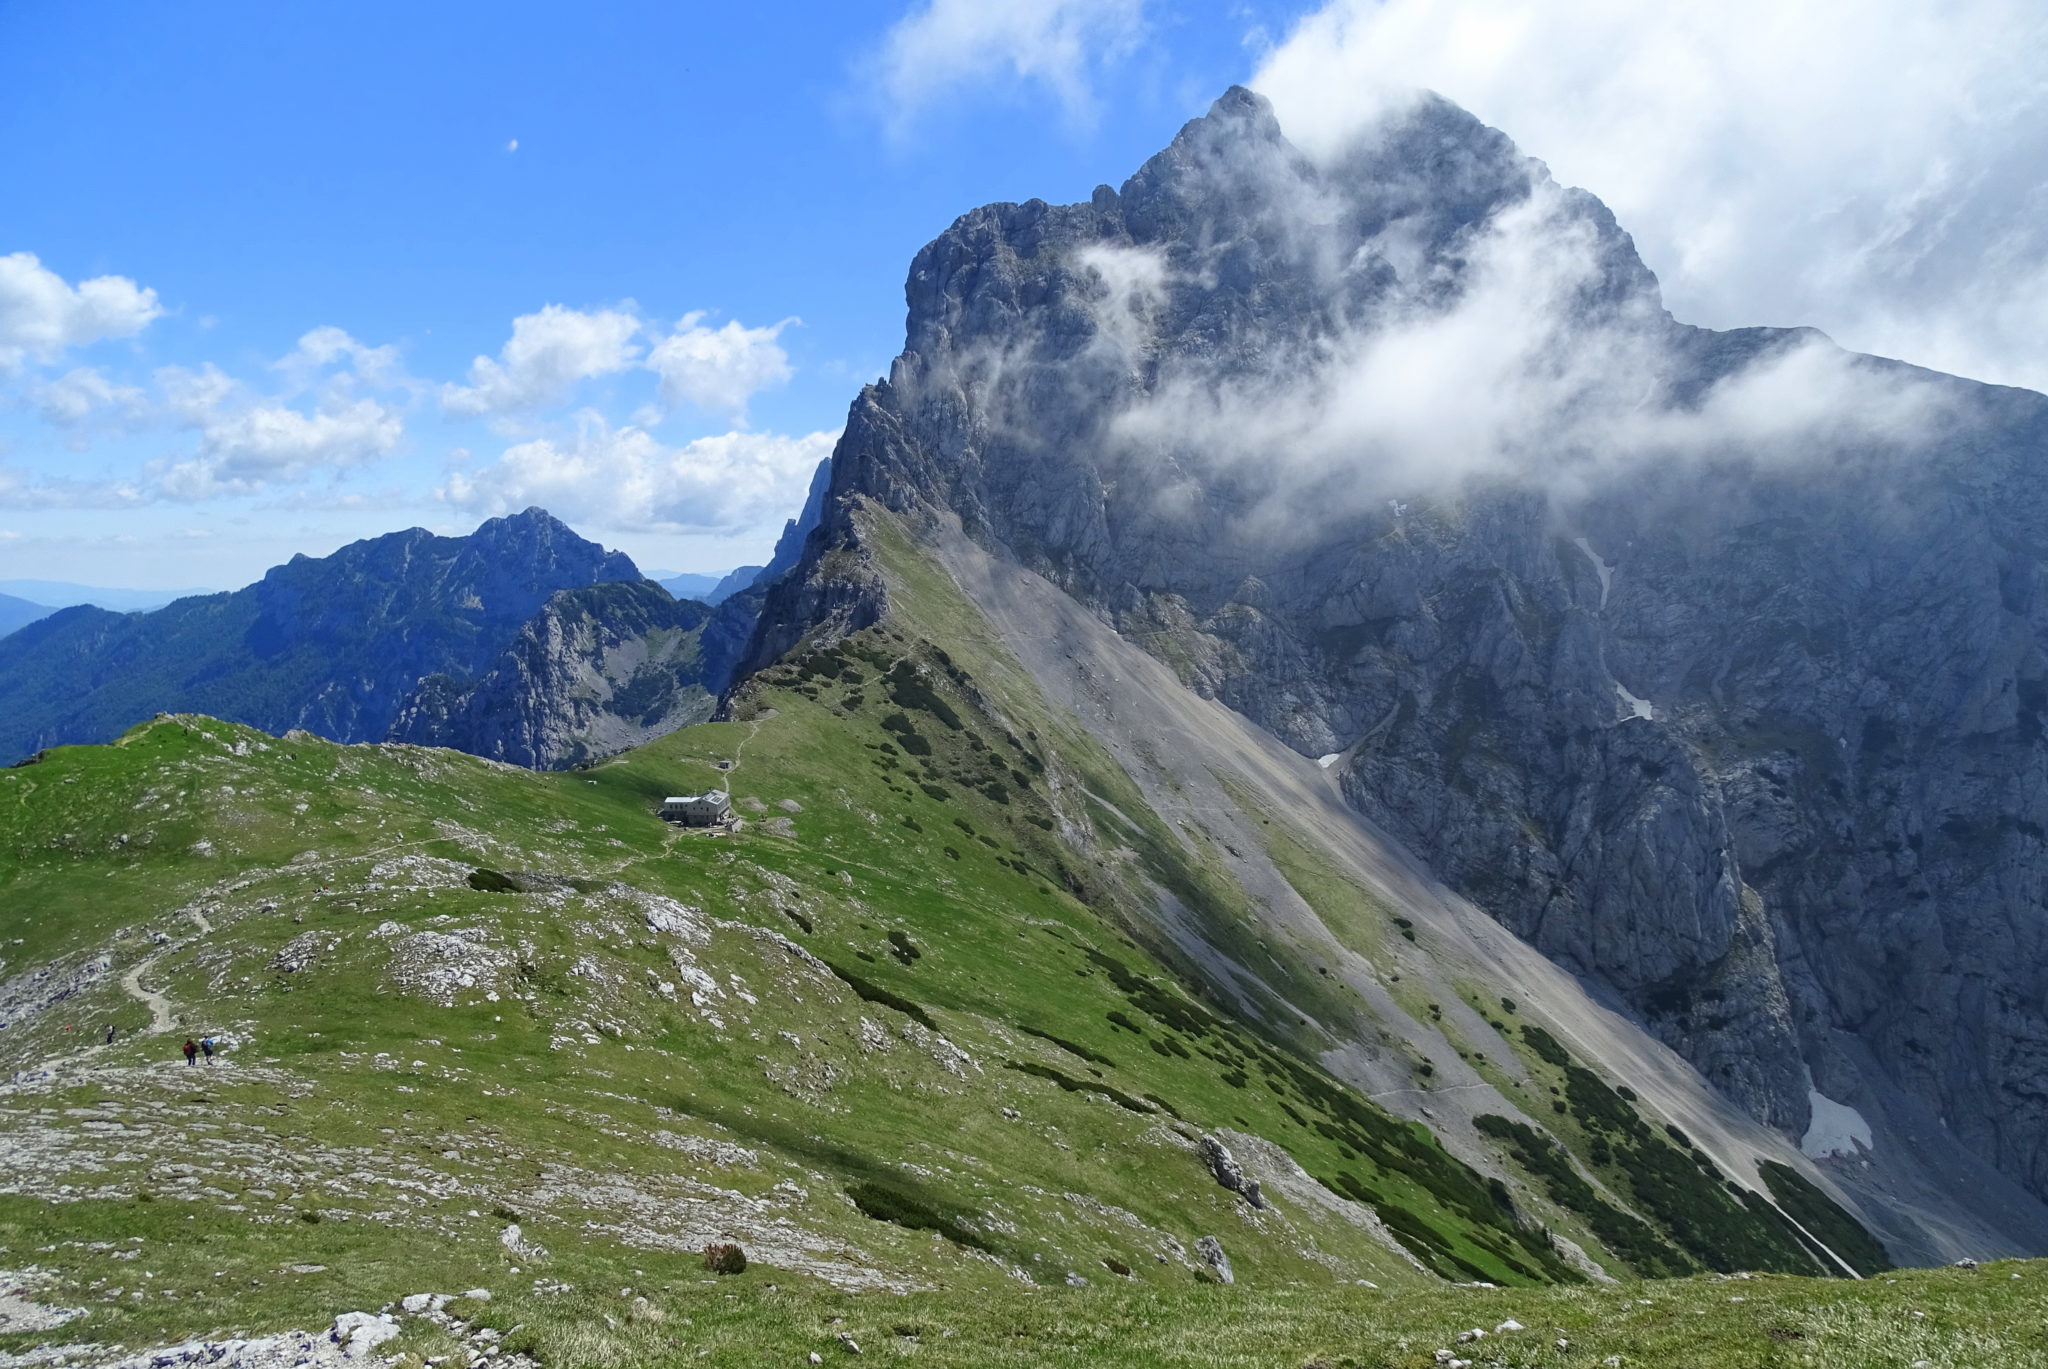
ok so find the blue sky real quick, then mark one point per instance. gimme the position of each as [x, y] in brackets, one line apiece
[275, 277]
[268, 171]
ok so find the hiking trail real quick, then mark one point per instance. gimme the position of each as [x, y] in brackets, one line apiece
[159, 1006]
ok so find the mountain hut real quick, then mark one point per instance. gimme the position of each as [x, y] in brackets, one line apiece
[698, 810]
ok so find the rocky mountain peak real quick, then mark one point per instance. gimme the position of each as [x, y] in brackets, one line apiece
[536, 536]
[1397, 453]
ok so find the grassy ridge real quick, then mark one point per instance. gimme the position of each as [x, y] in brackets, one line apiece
[905, 1032]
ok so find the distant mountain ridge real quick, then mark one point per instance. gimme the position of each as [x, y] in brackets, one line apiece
[597, 670]
[19, 613]
[57, 594]
[337, 645]
[710, 589]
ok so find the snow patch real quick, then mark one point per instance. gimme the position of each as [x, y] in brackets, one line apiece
[1836, 1129]
[1327, 761]
[1637, 707]
[1600, 568]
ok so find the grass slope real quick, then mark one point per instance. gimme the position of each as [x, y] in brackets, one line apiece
[897, 1036]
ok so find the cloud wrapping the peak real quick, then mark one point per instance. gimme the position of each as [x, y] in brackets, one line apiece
[548, 353]
[1281, 346]
[1875, 168]
[1511, 375]
[41, 316]
[947, 46]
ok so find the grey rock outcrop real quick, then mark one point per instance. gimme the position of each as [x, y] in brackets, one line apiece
[1750, 732]
[1211, 1252]
[1224, 1168]
[360, 1333]
[595, 671]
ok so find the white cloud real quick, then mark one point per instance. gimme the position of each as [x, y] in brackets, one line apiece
[253, 447]
[548, 354]
[41, 316]
[21, 489]
[192, 396]
[245, 443]
[248, 443]
[718, 369]
[624, 478]
[1134, 280]
[326, 347]
[82, 394]
[1871, 167]
[949, 46]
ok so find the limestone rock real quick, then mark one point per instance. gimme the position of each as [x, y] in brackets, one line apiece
[1757, 745]
[1227, 1172]
[360, 1333]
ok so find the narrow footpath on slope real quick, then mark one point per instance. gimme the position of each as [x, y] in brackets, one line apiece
[159, 1006]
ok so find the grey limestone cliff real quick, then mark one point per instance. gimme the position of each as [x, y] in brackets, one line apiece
[1709, 663]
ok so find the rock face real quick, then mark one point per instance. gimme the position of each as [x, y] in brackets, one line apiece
[595, 671]
[1710, 663]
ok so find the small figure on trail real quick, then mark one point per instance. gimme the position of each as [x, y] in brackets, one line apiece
[110, 1033]
[191, 1051]
[206, 1044]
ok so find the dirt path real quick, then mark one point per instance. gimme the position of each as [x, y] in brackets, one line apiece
[739, 752]
[159, 1006]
